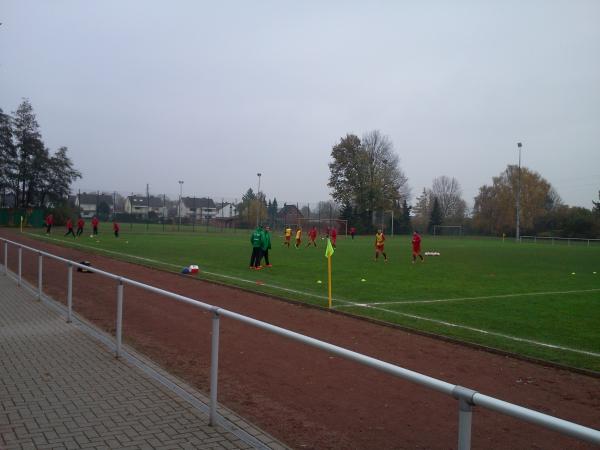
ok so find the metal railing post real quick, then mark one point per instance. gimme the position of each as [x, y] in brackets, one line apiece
[40, 258]
[6, 258]
[20, 264]
[465, 415]
[119, 330]
[465, 419]
[214, 368]
[70, 293]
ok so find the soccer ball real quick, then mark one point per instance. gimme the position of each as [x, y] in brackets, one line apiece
[92, 236]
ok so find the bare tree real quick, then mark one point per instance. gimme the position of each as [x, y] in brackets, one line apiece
[449, 194]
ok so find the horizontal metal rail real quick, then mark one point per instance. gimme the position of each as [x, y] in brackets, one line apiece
[552, 239]
[467, 397]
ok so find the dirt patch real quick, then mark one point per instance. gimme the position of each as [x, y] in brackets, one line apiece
[306, 397]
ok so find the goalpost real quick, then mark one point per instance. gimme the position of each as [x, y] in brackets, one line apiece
[341, 225]
[447, 230]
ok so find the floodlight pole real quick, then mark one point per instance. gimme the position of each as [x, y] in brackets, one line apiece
[518, 233]
[179, 205]
[258, 201]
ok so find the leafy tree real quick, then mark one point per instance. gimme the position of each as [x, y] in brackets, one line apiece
[346, 212]
[8, 153]
[403, 224]
[366, 174]
[28, 170]
[272, 209]
[251, 206]
[436, 217]
[565, 221]
[495, 211]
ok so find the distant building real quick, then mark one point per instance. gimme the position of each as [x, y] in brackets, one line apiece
[87, 204]
[289, 214]
[199, 208]
[226, 211]
[142, 206]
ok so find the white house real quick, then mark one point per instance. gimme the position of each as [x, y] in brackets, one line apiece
[226, 211]
[142, 206]
[88, 204]
[199, 208]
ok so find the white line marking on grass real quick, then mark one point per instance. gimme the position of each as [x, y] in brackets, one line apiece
[484, 297]
[156, 261]
[465, 327]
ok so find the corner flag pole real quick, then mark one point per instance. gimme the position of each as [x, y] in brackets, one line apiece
[328, 253]
[329, 278]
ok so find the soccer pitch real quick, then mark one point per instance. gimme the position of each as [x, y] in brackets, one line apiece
[538, 300]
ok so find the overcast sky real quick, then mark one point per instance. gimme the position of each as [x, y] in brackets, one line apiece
[213, 92]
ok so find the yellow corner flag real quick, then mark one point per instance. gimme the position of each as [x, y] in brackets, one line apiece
[329, 249]
[328, 252]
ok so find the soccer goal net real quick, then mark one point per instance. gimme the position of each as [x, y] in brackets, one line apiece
[323, 225]
[447, 230]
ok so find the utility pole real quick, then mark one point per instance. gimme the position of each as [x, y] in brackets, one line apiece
[518, 233]
[258, 201]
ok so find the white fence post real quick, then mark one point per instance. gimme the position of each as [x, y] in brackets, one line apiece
[40, 257]
[214, 368]
[119, 330]
[465, 415]
[70, 293]
[20, 264]
[465, 419]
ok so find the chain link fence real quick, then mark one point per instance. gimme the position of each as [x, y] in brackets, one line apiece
[148, 211]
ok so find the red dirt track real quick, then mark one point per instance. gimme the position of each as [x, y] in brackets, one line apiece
[305, 397]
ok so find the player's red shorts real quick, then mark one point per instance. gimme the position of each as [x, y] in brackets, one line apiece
[298, 241]
[416, 250]
[379, 247]
[287, 238]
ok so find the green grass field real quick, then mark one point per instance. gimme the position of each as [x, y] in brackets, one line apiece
[538, 300]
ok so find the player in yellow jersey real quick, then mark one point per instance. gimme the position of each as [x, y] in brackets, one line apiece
[298, 236]
[288, 236]
[379, 243]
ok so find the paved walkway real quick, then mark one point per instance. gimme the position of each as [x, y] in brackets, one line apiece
[60, 388]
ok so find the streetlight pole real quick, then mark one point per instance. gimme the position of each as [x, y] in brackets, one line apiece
[518, 233]
[179, 204]
[258, 200]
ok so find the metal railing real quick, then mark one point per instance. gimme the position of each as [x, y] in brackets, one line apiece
[467, 398]
[558, 239]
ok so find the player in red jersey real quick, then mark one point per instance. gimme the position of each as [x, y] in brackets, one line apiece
[416, 247]
[352, 232]
[379, 245]
[49, 222]
[80, 225]
[116, 228]
[312, 237]
[70, 227]
[95, 223]
[333, 236]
